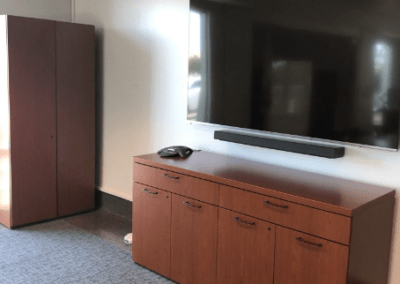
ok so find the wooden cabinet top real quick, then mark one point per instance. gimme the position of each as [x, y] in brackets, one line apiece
[327, 193]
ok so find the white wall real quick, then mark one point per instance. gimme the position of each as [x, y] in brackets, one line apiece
[142, 80]
[46, 9]
[142, 71]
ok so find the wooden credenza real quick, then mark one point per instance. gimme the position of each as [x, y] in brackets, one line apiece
[47, 119]
[212, 218]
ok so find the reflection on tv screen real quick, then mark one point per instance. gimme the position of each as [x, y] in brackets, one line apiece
[326, 70]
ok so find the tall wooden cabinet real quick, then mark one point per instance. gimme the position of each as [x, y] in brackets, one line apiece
[47, 119]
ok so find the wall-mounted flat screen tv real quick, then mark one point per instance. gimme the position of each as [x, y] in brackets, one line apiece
[327, 69]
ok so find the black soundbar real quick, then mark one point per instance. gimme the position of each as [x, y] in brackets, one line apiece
[309, 148]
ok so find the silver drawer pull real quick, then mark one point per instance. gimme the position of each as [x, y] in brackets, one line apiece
[308, 242]
[244, 222]
[276, 205]
[171, 177]
[150, 192]
[191, 205]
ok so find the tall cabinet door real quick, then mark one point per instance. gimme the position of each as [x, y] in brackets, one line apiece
[151, 228]
[75, 46]
[308, 259]
[246, 248]
[193, 241]
[32, 89]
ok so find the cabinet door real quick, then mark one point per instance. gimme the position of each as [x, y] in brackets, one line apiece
[193, 241]
[304, 259]
[75, 117]
[31, 50]
[245, 249]
[151, 224]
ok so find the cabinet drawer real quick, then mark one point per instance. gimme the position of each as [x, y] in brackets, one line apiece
[308, 259]
[177, 183]
[303, 218]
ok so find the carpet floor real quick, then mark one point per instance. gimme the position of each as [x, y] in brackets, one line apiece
[58, 252]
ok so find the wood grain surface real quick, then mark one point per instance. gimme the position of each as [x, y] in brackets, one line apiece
[324, 243]
[370, 244]
[193, 241]
[327, 225]
[246, 248]
[181, 184]
[304, 263]
[75, 117]
[332, 194]
[32, 63]
[151, 228]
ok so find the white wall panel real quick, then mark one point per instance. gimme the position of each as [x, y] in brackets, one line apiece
[142, 71]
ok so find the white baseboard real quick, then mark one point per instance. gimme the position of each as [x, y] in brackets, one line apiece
[116, 193]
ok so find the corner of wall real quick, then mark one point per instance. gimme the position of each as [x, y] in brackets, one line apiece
[116, 192]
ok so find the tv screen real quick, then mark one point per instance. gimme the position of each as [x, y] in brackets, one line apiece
[327, 69]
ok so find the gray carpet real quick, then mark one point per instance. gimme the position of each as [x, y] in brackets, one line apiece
[58, 252]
